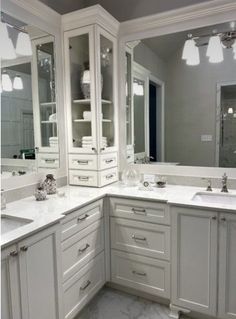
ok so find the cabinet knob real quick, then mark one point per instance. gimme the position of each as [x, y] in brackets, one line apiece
[14, 253]
[102, 149]
[214, 217]
[223, 219]
[24, 248]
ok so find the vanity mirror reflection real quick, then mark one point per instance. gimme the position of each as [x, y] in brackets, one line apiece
[29, 130]
[183, 98]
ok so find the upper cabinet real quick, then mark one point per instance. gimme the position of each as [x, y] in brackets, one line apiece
[91, 98]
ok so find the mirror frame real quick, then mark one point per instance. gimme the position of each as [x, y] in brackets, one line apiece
[183, 19]
[46, 19]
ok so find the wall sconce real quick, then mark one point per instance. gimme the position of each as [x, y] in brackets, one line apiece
[7, 51]
[18, 83]
[23, 44]
[191, 52]
[6, 82]
[215, 50]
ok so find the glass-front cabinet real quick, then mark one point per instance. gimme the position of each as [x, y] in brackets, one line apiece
[90, 54]
[44, 99]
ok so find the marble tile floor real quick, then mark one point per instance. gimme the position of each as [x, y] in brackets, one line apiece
[113, 304]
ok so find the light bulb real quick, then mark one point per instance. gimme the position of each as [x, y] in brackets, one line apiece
[23, 44]
[6, 83]
[189, 49]
[194, 59]
[7, 50]
[18, 83]
[215, 50]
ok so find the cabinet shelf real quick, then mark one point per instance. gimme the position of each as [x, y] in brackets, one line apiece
[88, 101]
[87, 121]
[47, 103]
[49, 122]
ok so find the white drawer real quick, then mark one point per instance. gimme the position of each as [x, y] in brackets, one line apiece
[48, 160]
[146, 239]
[108, 176]
[107, 160]
[80, 288]
[81, 218]
[83, 178]
[84, 162]
[152, 212]
[141, 273]
[79, 249]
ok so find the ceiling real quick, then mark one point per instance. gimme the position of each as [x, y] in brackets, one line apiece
[121, 9]
[167, 45]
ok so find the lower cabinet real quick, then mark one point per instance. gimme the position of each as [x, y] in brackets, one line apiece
[194, 259]
[30, 287]
[227, 266]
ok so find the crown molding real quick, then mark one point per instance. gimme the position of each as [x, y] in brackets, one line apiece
[30, 10]
[92, 15]
[209, 12]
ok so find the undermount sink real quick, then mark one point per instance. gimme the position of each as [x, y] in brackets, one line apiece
[9, 223]
[215, 198]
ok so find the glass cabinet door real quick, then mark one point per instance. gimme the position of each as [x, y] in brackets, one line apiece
[47, 93]
[128, 89]
[81, 72]
[107, 105]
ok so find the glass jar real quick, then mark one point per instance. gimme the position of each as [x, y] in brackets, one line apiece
[130, 176]
[50, 184]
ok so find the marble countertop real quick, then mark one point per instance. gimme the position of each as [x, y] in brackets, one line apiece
[52, 210]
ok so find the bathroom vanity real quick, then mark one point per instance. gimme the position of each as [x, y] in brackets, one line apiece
[146, 241]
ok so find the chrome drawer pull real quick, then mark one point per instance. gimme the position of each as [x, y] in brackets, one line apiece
[139, 273]
[24, 248]
[138, 238]
[83, 178]
[81, 250]
[109, 176]
[139, 211]
[85, 285]
[108, 161]
[14, 253]
[48, 160]
[82, 162]
[81, 219]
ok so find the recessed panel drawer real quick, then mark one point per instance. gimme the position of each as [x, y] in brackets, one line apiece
[152, 212]
[107, 160]
[81, 218]
[83, 178]
[48, 160]
[84, 162]
[79, 249]
[146, 239]
[108, 176]
[80, 288]
[141, 273]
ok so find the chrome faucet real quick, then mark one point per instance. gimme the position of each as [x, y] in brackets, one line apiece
[209, 188]
[224, 183]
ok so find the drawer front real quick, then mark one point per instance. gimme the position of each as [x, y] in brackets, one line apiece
[81, 218]
[140, 238]
[48, 160]
[84, 162]
[79, 249]
[140, 210]
[108, 176]
[80, 288]
[141, 273]
[107, 160]
[83, 178]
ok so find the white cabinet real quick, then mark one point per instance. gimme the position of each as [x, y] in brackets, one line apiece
[30, 286]
[194, 259]
[91, 94]
[227, 266]
[10, 284]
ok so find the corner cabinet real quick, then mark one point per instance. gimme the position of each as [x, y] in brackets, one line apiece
[91, 97]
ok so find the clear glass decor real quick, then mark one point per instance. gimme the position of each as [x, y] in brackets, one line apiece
[130, 176]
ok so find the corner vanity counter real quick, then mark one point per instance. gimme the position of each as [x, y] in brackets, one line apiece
[145, 241]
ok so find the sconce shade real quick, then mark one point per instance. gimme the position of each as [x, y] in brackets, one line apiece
[18, 83]
[215, 50]
[6, 83]
[23, 44]
[7, 50]
[188, 50]
[86, 77]
[194, 59]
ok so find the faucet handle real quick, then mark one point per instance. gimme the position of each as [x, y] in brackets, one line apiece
[209, 188]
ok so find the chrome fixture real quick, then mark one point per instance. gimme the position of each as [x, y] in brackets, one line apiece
[224, 183]
[209, 188]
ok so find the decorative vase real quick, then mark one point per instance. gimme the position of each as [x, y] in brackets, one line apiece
[50, 184]
[130, 176]
[40, 194]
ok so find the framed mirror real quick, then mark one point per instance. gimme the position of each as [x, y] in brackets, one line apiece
[29, 130]
[184, 98]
